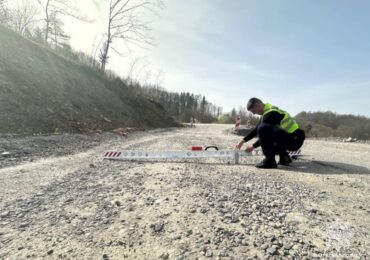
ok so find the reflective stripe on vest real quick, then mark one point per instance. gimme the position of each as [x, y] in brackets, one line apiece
[288, 124]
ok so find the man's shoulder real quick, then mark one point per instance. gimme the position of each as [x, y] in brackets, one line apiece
[273, 112]
[272, 117]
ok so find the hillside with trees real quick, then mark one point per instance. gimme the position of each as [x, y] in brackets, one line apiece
[183, 106]
[41, 91]
[330, 124]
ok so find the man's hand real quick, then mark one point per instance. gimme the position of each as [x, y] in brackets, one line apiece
[240, 144]
[250, 148]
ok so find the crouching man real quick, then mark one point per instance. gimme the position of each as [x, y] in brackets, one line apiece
[277, 132]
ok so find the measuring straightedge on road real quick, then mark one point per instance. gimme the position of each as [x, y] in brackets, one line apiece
[196, 152]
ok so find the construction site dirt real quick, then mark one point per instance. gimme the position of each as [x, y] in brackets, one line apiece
[60, 199]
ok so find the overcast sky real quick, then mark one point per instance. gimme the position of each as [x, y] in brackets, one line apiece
[299, 55]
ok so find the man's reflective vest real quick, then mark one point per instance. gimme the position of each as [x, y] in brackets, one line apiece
[288, 124]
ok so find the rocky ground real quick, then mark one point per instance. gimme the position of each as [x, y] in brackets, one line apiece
[59, 199]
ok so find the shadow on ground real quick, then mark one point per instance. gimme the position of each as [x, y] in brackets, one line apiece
[326, 167]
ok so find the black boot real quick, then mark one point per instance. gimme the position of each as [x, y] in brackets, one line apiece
[267, 164]
[284, 158]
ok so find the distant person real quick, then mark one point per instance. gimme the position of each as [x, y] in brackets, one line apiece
[192, 121]
[238, 122]
[277, 132]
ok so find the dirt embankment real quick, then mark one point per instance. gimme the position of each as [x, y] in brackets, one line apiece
[41, 91]
[80, 206]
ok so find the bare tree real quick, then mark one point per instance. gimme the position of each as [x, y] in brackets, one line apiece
[125, 22]
[138, 65]
[159, 78]
[146, 78]
[38, 35]
[96, 46]
[54, 8]
[23, 17]
[219, 111]
[4, 13]
[59, 37]
[132, 67]
[2, 6]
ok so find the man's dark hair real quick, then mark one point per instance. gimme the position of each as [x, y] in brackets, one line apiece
[253, 102]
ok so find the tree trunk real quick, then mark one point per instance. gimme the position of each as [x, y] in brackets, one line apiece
[47, 21]
[105, 54]
[107, 44]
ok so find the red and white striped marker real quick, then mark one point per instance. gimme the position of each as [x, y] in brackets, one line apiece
[112, 154]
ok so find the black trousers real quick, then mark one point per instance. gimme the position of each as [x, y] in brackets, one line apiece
[274, 140]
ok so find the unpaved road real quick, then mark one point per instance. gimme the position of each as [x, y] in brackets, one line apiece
[78, 206]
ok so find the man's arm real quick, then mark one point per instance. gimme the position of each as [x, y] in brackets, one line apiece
[257, 144]
[252, 134]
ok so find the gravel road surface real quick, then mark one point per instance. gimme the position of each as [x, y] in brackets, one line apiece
[60, 200]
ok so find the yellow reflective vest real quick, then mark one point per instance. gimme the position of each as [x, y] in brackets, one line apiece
[288, 124]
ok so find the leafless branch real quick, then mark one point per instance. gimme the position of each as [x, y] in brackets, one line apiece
[23, 17]
[125, 23]
[117, 52]
[59, 7]
[133, 66]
